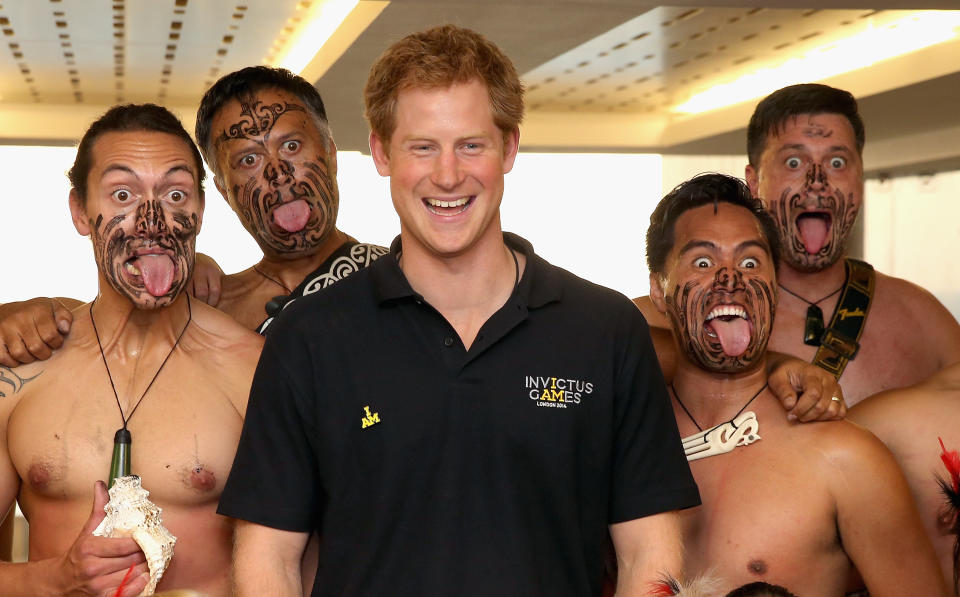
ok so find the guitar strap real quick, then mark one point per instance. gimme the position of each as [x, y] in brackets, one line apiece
[841, 340]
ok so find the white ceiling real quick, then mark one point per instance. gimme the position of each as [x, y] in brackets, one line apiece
[600, 74]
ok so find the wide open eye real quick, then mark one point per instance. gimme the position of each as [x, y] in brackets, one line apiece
[749, 263]
[837, 162]
[793, 162]
[292, 146]
[122, 195]
[702, 262]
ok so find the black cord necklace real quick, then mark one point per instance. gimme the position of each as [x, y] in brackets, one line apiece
[120, 463]
[274, 280]
[275, 304]
[732, 419]
[814, 326]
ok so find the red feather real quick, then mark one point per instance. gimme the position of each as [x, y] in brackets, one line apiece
[667, 587]
[123, 582]
[951, 460]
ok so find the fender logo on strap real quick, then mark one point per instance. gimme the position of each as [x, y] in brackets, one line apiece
[844, 313]
[841, 341]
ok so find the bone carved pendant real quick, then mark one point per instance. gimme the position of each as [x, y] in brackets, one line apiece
[741, 431]
[131, 514]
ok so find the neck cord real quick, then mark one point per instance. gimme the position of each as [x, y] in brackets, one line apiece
[516, 268]
[157, 374]
[274, 280]
[816, 302]
[699, 428]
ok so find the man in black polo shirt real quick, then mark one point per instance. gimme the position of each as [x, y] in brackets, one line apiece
[510, 413]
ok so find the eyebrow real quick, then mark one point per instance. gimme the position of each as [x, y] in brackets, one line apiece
[802, 147]
[706, 244]
[698, 244]
[129, 170]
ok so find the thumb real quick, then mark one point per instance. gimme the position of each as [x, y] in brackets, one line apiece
[100, 499]
[783, 387]
[63, 316]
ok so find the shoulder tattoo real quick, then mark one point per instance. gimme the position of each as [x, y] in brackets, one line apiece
[11, 383]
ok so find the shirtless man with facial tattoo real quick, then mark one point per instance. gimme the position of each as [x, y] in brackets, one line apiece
[174, 372]
[784, 503]
[805, 146]
[264, 133]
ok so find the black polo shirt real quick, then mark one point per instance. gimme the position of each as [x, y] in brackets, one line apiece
[432, 470]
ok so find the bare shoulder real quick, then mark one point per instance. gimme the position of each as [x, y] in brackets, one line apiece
[844, 445]
[899, 297]
[17, 382]
[916, 318]
[226, 352]
[215, 329]
[655, 319]
[929, 408]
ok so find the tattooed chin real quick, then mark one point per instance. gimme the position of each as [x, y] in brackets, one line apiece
[295, 226]
[150, 274]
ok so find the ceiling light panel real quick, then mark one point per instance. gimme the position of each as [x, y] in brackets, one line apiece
[668, 54]
[78, 51]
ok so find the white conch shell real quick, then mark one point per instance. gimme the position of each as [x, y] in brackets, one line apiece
[131, 514]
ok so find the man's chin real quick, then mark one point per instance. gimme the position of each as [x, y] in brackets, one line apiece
[810, 264]
[293, 245]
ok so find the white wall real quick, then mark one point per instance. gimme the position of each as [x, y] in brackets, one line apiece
[912, 229]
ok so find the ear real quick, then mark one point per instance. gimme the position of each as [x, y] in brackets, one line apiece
[221, 188]
[656, 292]
[381, 154]
[78, 214]
[750, 175]
[511, 145]
[332, 156]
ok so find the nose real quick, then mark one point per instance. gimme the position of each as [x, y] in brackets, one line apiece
[446, 170]
[151, 220]
[278, 173]
[728, 279]
[816, 177]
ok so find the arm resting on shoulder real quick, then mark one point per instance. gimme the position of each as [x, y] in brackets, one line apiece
[266, 561]
[648, 550]
[805, 390]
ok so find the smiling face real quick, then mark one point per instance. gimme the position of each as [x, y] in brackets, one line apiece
[811, 178]
[142, 212]
[446, 160]
[277, 172]
[717, 288]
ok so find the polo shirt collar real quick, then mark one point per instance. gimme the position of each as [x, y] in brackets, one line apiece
[539, 285]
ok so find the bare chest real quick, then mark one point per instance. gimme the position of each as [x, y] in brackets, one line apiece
[891, 354]
[61, 438]
[763, 518]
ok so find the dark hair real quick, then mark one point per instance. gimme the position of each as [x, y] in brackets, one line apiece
[774, 110]
[703, 189]
[436, 58]
[243, 85]
[760, 589]
[125, 118]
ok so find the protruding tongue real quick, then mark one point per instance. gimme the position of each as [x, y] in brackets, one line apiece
[734, 335]
[157, 273]
[292, 216]
[813, 232]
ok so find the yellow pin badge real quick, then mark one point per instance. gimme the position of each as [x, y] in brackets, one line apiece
[370, 419]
